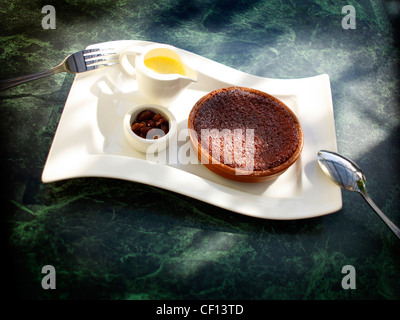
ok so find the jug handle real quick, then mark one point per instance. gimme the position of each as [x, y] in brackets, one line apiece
[125, 63]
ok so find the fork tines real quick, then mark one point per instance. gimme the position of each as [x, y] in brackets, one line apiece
[95, 58]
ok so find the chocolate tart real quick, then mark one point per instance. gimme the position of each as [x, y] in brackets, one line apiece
[245, 134]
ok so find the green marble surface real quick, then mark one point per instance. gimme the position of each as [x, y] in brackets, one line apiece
[112, 239]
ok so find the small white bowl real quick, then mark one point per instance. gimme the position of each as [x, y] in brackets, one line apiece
[143, 144]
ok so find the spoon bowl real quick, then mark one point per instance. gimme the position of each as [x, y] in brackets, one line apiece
[348, 175]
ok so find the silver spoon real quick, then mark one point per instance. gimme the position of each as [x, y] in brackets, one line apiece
[347, 175]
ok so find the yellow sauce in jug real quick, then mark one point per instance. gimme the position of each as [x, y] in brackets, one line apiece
[164, 65]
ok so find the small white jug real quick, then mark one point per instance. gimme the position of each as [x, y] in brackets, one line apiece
[157, 88]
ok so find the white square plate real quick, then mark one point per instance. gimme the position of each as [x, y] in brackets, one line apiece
[89, 141]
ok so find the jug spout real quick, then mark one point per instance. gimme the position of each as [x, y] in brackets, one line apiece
[190, 75]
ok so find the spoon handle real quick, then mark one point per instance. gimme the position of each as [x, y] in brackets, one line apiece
[385, 219]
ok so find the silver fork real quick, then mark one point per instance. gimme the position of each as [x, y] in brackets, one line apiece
[77, 62]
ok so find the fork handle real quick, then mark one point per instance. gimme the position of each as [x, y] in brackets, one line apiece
[5, 84]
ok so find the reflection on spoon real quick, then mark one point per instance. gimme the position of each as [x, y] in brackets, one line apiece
[347, 175]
